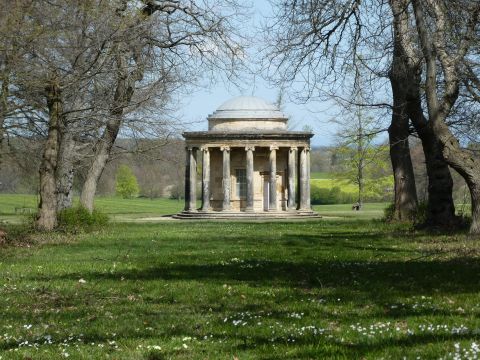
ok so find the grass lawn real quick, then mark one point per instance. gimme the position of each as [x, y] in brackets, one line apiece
[218, 290]
[320, 175]
[117, 208]
[124, 210]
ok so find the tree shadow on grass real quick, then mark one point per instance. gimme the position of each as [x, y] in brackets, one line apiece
[381, 280]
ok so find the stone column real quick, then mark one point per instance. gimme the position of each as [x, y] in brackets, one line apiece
[205, 179]
[273, 179]
[292, 172]
[191, 180]
[226, 178]
[303, 181]
[250, 188]
[309, 206]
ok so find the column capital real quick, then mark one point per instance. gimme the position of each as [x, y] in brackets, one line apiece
[293, 148]
[306, 148]
[273, 147]
[249, 148]
[224, 148]
[204, 148]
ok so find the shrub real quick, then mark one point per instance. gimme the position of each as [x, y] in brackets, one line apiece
[126, 185]
[419, 216]
[78, 218]
[334, 195]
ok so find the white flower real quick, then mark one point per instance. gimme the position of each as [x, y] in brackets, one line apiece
[82, 281]
[185, 346]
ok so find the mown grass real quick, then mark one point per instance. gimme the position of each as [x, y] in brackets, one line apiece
[320, 175]
[218, 290]
[13, 205]
[123, 210]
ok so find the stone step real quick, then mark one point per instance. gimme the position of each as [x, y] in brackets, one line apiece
[244, 215]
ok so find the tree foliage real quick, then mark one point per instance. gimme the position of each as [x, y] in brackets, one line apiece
[126, 183]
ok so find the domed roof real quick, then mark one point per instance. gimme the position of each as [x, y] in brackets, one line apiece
[247, 107]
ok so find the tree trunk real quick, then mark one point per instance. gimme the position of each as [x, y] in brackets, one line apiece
[101, 156]
[124, 90]
[361, 184]
[407, 76]
[465, 163]
[47, 212]
[441, 207]
[3, 111]
[475, 195]
[65, 171]
[406, 202]
[440, 103]
[406, 79]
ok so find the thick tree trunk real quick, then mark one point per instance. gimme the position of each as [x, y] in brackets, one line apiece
[406, 201]
[405, 78]
[441, 207]
[465, 163]
[65, 171]
[47, 212]
[475, 195]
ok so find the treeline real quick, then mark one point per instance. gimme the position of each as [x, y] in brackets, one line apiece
[331, 160]
[157, 165]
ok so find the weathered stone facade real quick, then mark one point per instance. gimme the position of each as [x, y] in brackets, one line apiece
[252, 166]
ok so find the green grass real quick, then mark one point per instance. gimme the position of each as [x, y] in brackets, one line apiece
[205, 290]
[369, 211]
[122, 210]
[330, 183]
[117, 208]
[320, 175]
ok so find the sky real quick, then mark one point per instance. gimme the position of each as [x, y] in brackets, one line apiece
[204, 101]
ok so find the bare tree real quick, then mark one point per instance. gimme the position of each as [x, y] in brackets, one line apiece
[405, 79]
[445, 53]
[60, 57]
[316, 41]
[182, 36]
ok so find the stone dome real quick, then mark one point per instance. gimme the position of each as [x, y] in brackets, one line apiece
[247, 113]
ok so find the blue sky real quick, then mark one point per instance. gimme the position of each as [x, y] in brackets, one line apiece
[199, 104]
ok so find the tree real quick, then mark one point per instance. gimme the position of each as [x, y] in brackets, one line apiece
[446, 55]
[362, 162]
[405, 79]
[186, 39]
[361, 156]
[126, 183]
[83, 71]
[54, 78]
[319, 41]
